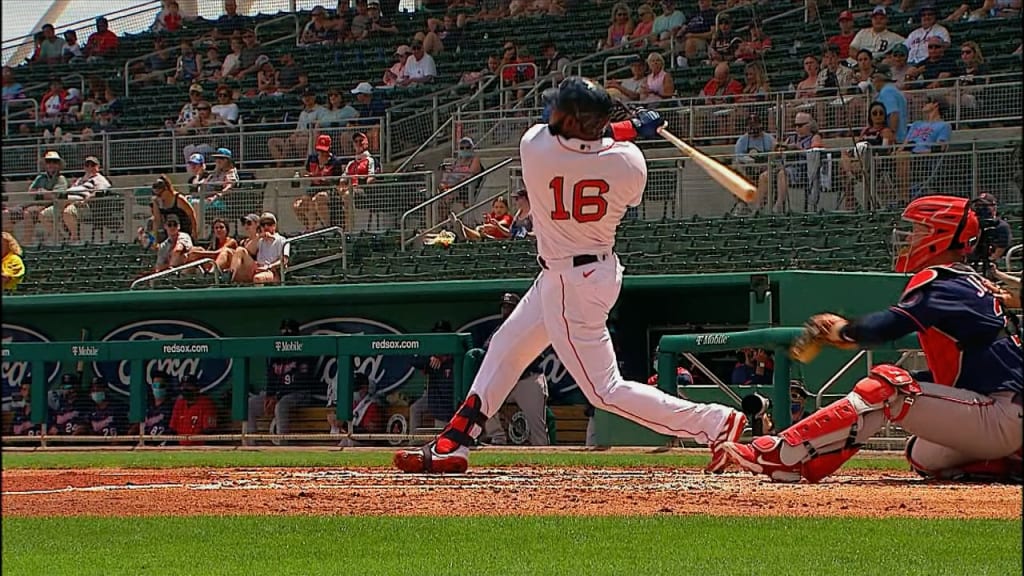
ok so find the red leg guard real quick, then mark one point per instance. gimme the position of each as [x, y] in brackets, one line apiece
[815, 469]
[460, 430]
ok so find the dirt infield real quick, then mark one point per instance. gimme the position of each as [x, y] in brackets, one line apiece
[497, 491]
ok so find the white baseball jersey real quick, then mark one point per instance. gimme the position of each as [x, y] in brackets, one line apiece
[579, 191]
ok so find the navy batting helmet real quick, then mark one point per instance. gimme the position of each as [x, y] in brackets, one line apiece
[586, 102]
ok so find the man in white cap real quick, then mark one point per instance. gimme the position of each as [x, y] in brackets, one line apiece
[371, 109]
[81, 190]
[47, 187]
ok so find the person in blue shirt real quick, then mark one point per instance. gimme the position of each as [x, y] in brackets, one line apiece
[964, 411]
[893, 99]
[928, 136]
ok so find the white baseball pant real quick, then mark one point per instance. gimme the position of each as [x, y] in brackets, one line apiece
[567, 307]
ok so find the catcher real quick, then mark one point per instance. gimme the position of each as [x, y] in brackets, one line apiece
[964, 412]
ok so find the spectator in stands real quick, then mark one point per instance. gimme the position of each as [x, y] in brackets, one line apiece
[721, 90]
[360, 21]
[833, 76]
[168, 19]
[465, 166]
[319, 31]
[864, 68]
[196, 168]
[802, 171]
[643, 32]
[358, 172]
[878, 38]
[220, 248]
[496, 226]
[438, 392]
[50, 48]
[225, 108]
[756, 45]
[189, 66]
[896, 59]
[986, 207]
[972, 67]
[928, 136]
[190, 109]
[668, 24]
[371, 109]
[393, 74]
[920, 38]
[936, 68]
[808, 87]
[54, 103]
[260, 262]
[988, 9]
[82, 190]
[266, 78]
[72, 52]
[620, 28]
[522, 222]
[201, 125]
[877, 136]
[230, 67]
[249, 55]
[697, 32]
[193, 412]
[102, 43]
[167, 202]
[212, 64]
[628, 90]
[554, 62]
[658, 84]
[419, 67]
[47, 188]
[893, 99]
[489, 70]
[724, 41]
[227, 23]
[156, 66]
[290, 75]
[846, 34]
[517, 68]
[175, 248]
[251, 231]
[756, 86]
[297, 143]
[752, 149]
[324, 169]
[159, 407]
[12, 266]
[12, 89]
[379, 26]
[221, 182]
[338, 113]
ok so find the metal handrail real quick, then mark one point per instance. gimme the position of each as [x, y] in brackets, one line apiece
[175, 270]
[501, 76]
[714, 378]
[294, 34]
[1009, 256]
[835, 377]
[127, 64]
[426, 142]
[453, 189]
[18, 115]
[43, 86]
[460, 214]
[322, 232]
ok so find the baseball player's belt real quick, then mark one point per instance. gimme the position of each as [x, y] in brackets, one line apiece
[577, 261]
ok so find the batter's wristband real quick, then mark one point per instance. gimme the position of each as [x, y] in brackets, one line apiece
[623, 131]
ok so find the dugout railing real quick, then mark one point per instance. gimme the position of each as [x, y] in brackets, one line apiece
[241, 352]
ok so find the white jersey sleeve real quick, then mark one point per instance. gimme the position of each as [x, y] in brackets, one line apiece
[579, 190]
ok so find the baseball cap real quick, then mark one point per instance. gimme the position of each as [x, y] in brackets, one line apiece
[882, 72]
[467, 140]
[899, 50]
[171, 218]
[363, 88]
[985, 199]
[403, 50]
[262, 59]
[879, 10]
[522, 193]
[309, 91]
[196, 88]
[359, 136]
[250, 218]
[223, 153]
[845, 15]
[159, 185]
[323, 143]
[926, 9]
[510, 298]
[268, 218]
[799, 389]
[197, 159]
[52, 155]
[92, 160]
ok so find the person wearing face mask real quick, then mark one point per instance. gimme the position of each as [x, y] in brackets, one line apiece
[798, 401]
[68, 408]
[21, 411]
[101, 419]
[464, 166]
[193, 413]
[290, 382]
[158, 412]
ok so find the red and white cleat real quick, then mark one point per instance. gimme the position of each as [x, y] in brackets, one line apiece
[731, 432]
[426, 460]
[761, 456]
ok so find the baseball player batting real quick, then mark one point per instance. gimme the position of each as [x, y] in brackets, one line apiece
[964, 412]
[582, 173]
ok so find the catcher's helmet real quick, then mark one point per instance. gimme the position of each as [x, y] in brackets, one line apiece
[940, 223]
[586, 102]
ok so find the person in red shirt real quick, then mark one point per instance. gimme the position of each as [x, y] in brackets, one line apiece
[721, 89]
[103, 43]
[358, 171]
[193, 413]
[324, 169]
[846, 34]
[496, 224]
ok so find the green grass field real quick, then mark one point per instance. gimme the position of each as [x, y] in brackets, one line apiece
[670, 545]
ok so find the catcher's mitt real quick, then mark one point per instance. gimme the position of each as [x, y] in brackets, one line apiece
[820, 330]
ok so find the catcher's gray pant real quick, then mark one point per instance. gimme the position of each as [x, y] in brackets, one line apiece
[282, 411]
[530, 394]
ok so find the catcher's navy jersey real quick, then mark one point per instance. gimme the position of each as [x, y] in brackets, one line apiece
[962, 328]
[158, 418]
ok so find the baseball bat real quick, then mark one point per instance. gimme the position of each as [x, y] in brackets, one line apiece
[731, 181]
